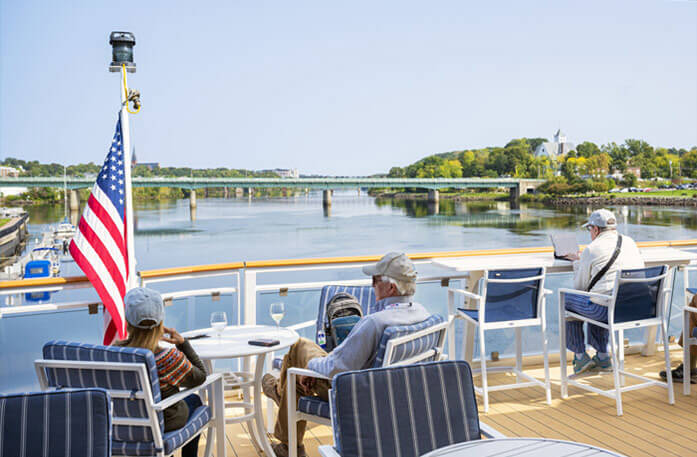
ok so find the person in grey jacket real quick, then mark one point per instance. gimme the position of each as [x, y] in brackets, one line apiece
[394, 281]
[602, 226]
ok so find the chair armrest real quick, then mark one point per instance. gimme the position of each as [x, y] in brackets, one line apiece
[306, 372]
[169, 401]
[602, 297]
[490, 432]
[328, 451]
[467, 293]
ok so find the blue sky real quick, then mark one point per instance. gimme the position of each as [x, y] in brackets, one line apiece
[347, 88]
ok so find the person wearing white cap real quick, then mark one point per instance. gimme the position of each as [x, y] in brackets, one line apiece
[607, 247]
[394, 281]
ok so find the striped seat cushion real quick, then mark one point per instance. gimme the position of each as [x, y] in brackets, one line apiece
[413, 348]
[314, 405]
[405, 410]
[55, 424]
[172, 440]
[277, 363]
[364, 294]
[112, 379]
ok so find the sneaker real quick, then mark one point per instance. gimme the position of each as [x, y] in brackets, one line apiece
[281, 450]
[268, 385]
[679, 374]
[583, 364]
[603, 364]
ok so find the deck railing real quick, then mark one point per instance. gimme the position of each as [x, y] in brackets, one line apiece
[247, 284]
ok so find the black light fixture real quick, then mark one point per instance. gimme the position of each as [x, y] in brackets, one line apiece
[122, 51]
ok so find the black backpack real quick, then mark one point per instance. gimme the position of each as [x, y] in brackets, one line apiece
[343, 313]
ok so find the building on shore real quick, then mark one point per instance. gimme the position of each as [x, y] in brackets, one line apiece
[555, 149]
[10, 172]
[284, 172]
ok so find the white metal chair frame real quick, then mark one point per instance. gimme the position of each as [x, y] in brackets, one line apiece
[213, 387]
[517, 324]
[617, 346]
[687, 338]
[294, 415]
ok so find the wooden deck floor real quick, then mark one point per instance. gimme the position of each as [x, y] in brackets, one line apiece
[649, 426]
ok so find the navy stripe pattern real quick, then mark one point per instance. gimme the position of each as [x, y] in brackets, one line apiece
[314, 406]
[364, 294]
[412, 348]
[112, 379]
[404, 411]
[598, 337]
[172, 440]
[637, 301]
[55, 424]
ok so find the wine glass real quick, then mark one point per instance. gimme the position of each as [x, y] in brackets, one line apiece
[277, 310]
[219, 322]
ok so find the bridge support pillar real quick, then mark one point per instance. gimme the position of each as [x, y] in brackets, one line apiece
[250, 191]
[433, 195]
[226, 192]
[74, 200]
[515, 194]
[359, 191]
[326, 198]
[192, 199]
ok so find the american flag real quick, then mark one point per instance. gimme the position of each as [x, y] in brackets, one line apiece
[100, 246]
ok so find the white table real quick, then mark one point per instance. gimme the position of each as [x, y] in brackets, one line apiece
[477, 264]
[234, 344]
[509, 447]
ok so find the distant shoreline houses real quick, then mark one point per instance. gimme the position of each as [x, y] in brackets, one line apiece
[555, 149]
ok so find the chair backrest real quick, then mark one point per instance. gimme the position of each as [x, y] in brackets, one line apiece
[405, 410]
[403, 344]
[512, 294]
[638, 293]
[56, 424]
[364, 294]
[132, 398]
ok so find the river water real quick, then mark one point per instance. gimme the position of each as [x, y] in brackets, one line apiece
[236, 229]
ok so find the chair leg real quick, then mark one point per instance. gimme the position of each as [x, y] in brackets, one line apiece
[562, 348]
[482, 361]
[620, 347]
[219, 412]
[518, 353]
[685, 351]
[615, 371]
[666, 353]
[545, 356]
[292, 418]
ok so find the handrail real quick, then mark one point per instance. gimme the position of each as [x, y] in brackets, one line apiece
[176, 271]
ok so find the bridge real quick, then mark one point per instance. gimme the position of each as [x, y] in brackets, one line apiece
[432, 185]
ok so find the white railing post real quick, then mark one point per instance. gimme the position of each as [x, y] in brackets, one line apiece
[250, 297]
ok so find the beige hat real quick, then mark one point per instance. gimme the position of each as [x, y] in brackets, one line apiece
[396, 265]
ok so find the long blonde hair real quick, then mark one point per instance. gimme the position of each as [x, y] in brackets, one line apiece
[146, 338]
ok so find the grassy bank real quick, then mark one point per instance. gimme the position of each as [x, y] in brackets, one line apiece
[4, 221]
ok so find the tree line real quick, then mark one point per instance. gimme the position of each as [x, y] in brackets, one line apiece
[517, 159]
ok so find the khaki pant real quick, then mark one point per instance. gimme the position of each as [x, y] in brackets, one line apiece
[692, 324]
[298, 357]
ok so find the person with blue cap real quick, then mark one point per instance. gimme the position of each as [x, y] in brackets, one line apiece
[607, 247]
[177, 366]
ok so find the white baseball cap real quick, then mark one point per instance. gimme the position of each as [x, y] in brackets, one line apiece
[602, 218]
[396, 265]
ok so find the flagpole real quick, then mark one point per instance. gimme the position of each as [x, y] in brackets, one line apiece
[126, 138]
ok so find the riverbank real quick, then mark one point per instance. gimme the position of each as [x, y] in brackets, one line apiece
[454, 196]
[613, 200]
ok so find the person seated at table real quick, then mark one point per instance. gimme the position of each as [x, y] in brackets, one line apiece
[177, 366]
[679, 372]
[394, 281]
[588, 267]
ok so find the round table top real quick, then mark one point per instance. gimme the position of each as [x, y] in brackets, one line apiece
[234, 341]
[539, 447]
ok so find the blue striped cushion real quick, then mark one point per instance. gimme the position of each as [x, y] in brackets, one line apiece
[692, 290]
[364, 294]
[277, 363]
[172, 440]
[406, 410]
[314, 405]
[694, 332]
[55, 424]
[63, 350]
[412, 348]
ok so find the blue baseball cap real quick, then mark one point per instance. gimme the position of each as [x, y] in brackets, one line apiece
[143, 307]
